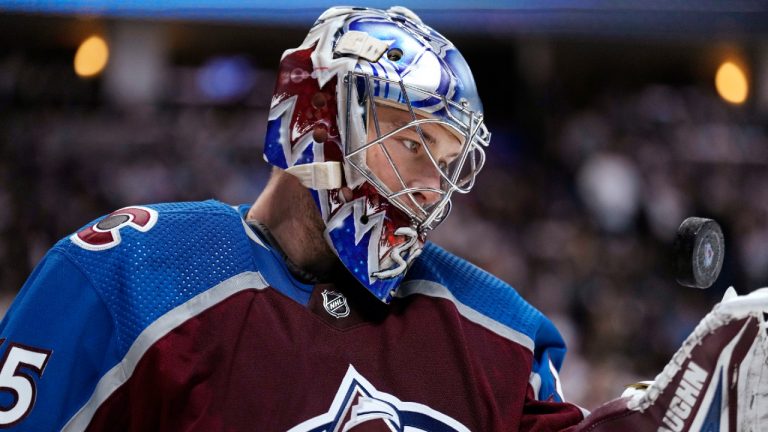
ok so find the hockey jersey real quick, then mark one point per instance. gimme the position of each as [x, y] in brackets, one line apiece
[180, 316]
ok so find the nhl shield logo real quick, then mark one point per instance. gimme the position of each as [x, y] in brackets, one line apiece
[335, 304]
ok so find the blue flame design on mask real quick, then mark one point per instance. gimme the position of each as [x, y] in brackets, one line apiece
[425, 53]
[355, 257]
[273, 145]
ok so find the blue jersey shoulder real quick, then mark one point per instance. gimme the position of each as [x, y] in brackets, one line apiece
[482, 292]
[489, 302]
[145, 260]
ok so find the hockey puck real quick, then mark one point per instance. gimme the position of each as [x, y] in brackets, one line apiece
[699, 250]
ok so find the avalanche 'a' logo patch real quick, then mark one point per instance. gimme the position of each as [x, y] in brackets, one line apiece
[358, 406]
[105, 234]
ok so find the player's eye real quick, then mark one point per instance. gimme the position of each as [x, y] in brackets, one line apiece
[411, 145]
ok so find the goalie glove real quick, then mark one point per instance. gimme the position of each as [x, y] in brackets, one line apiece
[717, 380]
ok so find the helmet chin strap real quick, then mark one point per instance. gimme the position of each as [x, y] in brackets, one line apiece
[318, 175]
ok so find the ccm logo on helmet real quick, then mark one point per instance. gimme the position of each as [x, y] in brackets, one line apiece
[105, 234]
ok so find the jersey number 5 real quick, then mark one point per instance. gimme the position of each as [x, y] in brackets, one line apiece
[18, 382]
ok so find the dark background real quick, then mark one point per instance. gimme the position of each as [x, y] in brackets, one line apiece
[607, 132]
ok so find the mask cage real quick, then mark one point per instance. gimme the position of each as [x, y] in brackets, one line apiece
[365, 95]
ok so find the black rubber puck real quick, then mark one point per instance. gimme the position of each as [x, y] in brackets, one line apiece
[699, 251]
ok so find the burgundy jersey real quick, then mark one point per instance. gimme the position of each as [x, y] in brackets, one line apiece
[185, 318]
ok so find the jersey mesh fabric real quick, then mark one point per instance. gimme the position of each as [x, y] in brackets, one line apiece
[477, 289]
[497, 300]
[191, 248]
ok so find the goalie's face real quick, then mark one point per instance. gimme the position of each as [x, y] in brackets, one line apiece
[408, 161]
[417, 159]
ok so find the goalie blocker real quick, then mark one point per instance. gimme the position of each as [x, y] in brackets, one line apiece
[717, 380]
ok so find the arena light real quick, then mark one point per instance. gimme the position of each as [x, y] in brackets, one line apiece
[731, 83]
[91, 57]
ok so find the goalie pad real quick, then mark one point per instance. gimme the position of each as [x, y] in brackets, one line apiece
[717, 380]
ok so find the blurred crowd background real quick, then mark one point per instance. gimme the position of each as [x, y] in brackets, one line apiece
[611, 124]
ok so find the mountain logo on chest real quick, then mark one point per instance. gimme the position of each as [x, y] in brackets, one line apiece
[358, 406]
[335, 304]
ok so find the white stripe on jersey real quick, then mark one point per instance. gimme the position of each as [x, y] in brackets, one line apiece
[122, 371]
[433, 289]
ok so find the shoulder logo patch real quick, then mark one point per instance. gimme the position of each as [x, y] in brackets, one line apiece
[359, 406]
[335, 304]
[105, 234]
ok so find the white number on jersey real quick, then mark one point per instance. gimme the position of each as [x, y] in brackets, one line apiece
[19, 382]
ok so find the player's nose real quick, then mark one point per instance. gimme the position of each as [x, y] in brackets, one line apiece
[428, 182]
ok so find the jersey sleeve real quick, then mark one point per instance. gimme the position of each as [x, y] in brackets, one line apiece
[540, 416]
[57, 340]
[548, 357]
[545, 408]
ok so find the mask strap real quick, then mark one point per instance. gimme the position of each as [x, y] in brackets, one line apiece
[318, 175]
